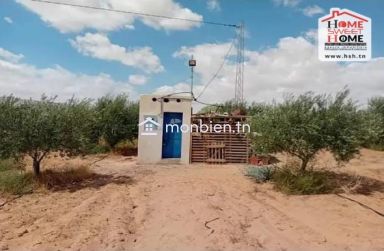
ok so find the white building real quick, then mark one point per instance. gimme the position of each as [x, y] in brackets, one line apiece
[156, 144]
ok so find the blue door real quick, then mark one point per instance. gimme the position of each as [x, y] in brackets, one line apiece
[172, 135]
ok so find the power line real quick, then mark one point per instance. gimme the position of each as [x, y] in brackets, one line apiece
[240, 45]
[174, 93]
[137, 13]
[218, 70]
[203, 103]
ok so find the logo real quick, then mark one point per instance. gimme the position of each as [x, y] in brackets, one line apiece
[344, 35]
[150, 125]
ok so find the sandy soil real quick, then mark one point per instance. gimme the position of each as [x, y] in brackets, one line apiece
[193, 207]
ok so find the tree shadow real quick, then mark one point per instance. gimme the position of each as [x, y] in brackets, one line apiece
[354, 184]
[73, 180]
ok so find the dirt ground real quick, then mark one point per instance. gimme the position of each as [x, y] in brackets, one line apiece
[194, 207]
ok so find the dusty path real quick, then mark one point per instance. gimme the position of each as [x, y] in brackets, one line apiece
[188, 208]
[247, 216]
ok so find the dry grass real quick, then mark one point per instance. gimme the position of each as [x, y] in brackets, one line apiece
[73, 178]
[65, 176]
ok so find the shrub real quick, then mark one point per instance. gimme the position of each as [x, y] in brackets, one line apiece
[291, 181]
[374, 124]
[10, 164]
[126, 147]
[117, 119]
[260, 174]
[98, 149]
[15, 182]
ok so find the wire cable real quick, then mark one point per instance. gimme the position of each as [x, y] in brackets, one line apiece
[203, 103]
[137, 13]
[218, 70]
[164, 17]
[174, 93]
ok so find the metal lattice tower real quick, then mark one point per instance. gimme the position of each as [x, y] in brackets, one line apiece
[239, 95]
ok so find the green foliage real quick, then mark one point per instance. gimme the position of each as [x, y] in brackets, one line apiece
[98, 149]
[36, 128]
[291, 181]
[10, 164]
[9, 117]
[15, 182]
[126, 147]
[39, 127]
[255, 109]
[260, 174]
[77, 120]
[374, 124]
[117, 119]
[304, 125]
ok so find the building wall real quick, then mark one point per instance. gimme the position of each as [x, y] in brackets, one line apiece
[150, 147]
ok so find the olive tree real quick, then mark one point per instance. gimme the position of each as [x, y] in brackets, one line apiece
[374, 123]
[117, 119]
[9, 119]
[302, 126]
[36, 128]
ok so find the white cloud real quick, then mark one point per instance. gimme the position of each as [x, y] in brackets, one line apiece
[75, 19]
[99, 46]
[313, 10]
[287, 3]
[138, 79]
[213, 5]
[290, 67]
[8, 20]
[311, 35]
[28, 81]
[9, 56]
[181, 88]
[209, 57]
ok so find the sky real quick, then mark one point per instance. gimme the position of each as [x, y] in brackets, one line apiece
[69, 51]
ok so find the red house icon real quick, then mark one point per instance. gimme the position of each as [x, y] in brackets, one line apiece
[335, 12]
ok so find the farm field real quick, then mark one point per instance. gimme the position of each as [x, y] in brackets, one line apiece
[196, 207]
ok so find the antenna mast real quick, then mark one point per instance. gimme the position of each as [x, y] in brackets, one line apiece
[239, 92]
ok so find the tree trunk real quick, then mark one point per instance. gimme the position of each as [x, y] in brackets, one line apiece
[36, 167]
[304, 163]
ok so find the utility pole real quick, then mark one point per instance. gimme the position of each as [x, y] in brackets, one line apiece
[239, 86]
[192, 64]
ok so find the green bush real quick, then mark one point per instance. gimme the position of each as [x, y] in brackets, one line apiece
[8, 164]
[98, 149]
[15, 182]
[126, 147]
[260, 174]
[374, 124]
[291, 181]
[117, 119]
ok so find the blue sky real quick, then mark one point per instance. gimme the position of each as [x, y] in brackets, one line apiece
[44, 45]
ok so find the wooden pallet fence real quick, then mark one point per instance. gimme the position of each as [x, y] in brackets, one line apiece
[219, 148]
